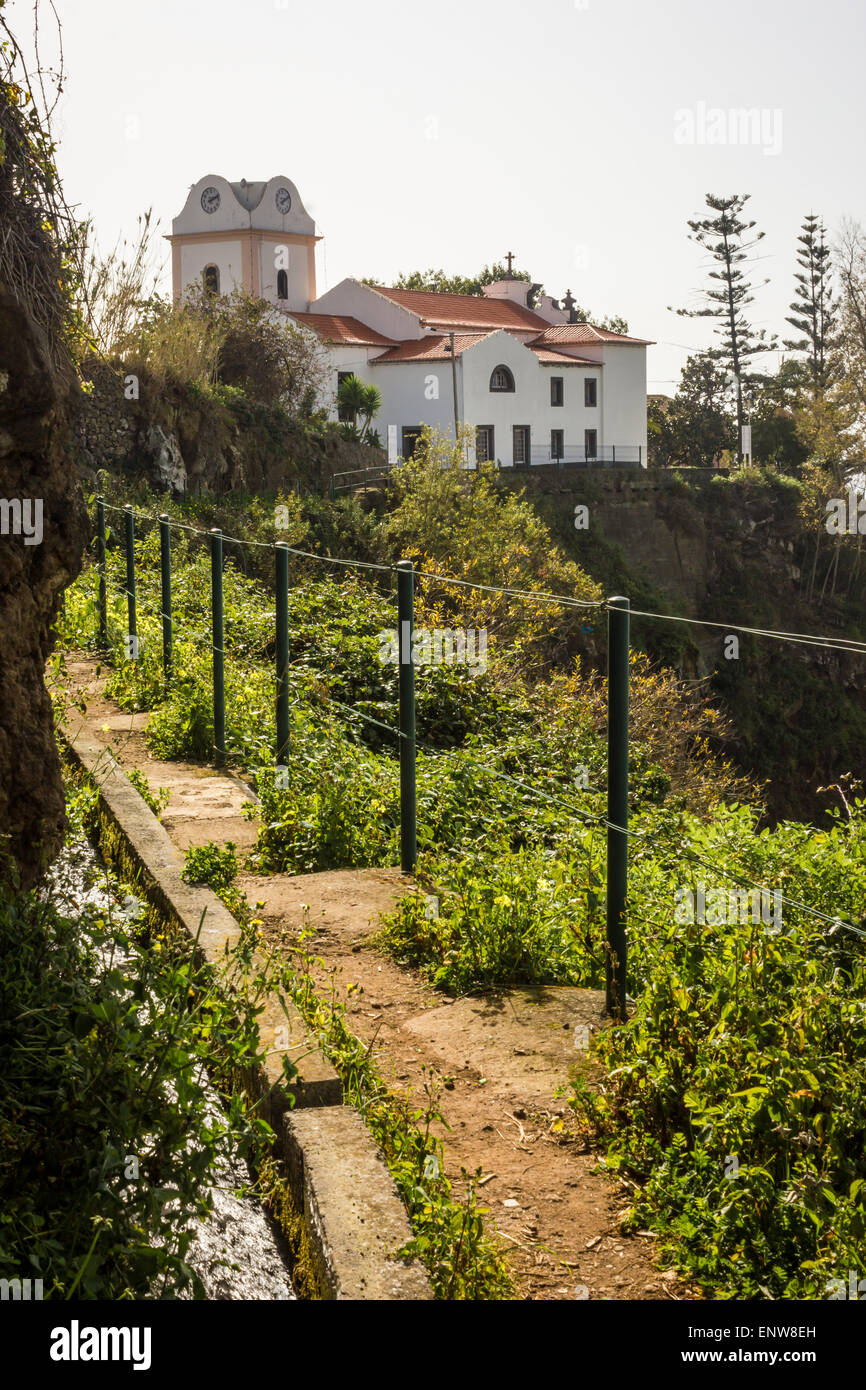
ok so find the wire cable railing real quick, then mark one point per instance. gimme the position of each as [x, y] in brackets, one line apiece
[616, 826]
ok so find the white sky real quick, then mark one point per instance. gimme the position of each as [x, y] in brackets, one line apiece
[449, 133]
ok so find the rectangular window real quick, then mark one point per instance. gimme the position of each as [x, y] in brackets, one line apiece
[557, 445]
[484, 444]
[410, 441]
[590, 391]
[521, 446]
[344, 415]
[557, 390]
[590, 438]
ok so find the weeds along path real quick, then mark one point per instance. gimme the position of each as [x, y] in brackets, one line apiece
[500, 1059]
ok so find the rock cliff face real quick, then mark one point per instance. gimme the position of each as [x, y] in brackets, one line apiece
[729, 551]
[182, 441]
[42, 536]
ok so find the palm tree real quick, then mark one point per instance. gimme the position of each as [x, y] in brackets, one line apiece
[355, 399]
[372, 404]
[350, 399]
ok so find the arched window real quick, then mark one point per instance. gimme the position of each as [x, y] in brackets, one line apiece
[502, 380]
[282, 284]
[211, 277]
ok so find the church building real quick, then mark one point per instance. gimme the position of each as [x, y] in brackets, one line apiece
[536, 386]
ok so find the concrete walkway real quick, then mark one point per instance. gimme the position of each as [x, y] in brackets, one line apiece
[501, 1063]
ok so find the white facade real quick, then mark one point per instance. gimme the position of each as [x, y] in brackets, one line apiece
[579, 393]
[248, 233]
[529, 407]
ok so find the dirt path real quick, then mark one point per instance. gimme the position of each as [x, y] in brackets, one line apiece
[501, 1060]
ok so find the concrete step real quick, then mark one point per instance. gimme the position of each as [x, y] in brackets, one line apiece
[353, 1215]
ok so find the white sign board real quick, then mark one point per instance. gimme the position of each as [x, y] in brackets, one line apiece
[392, 444]
[746, 446]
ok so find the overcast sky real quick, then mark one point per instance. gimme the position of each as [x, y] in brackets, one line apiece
[446, 134]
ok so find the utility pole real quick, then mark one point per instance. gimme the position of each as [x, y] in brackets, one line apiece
[746, 442]
[742, 401]
[454, 382]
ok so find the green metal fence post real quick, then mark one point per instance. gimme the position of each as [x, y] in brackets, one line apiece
[406, 628]
[100, 566]
[132, 623]
[617, 803]
[165, 573]
[282, 582]
[219, 692]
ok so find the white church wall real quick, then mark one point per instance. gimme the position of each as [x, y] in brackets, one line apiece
[624, 400]
[529, 404]
[348, 358]
[274, 256]
[416, 393]
[355, 300]
[227, 255]
[574, 417]
[267, 216]
[229, 216]
[595, 351]
[504, 409]
[413, 394]
[409, 389]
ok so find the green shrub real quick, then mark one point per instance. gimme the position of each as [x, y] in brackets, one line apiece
[157, 801]
[108, 1140]
[528, 918]
[217, 866]
[737, 1093]
[339, 809]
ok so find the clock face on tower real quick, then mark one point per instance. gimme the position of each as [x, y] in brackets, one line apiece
[284, 201]
[210, 199]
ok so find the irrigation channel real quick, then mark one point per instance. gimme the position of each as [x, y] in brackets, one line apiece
[234, 1251]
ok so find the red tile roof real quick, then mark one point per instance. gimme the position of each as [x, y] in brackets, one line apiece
[464, 310]
[585, 333]
[548, 355]
[338, 328]
[434, 348]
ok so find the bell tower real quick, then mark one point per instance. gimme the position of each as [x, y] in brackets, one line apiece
[256, 237]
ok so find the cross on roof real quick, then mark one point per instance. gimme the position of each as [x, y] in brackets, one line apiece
[510, 259]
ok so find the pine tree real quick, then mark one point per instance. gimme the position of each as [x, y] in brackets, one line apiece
[813, 311]
[724, 237]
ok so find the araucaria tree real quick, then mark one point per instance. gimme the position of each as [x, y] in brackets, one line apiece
[725, 236]
[851, 261]
[813, 311]
[696, 426]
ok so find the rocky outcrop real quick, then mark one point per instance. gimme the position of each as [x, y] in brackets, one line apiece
[730, 550]
[183, 440]
[167, 468]
[42, 536]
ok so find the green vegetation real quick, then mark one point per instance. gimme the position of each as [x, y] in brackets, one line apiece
[157, 801]
[218, 867]
[505, 918]
[111, 1034]
[736, 1095]
[744, 1035]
